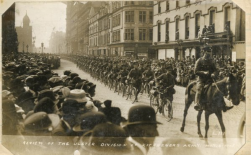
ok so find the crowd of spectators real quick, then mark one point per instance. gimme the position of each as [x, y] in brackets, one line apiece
[39, 102]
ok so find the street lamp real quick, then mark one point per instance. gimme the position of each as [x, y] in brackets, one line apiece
[136, 51]
[27, 46]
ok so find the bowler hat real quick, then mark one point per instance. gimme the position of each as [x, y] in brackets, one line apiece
[87, 121]
[41, 121]
[107, 133]
[47, 93]
[46, 105]
[141, 114]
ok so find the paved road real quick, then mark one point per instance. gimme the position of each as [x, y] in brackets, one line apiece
[172, 129]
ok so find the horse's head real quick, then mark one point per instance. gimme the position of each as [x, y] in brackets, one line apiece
[232, 87]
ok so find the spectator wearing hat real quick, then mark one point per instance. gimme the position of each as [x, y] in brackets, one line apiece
[69, 110]
[55, 81]
[43, 124]
[26, 101]
[90, 107]
[98, 104]
[87, 121]
[103, 134]
[79, 95]
[47, 105]
[113, 114]
[9, 117]
[142, 126]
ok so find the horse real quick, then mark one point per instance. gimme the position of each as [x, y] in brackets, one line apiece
[213, 100]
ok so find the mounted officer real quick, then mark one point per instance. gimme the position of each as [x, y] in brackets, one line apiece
[206, 70]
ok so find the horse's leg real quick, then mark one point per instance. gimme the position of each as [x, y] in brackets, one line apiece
[198, 122]
[219, 116]
[207, 122]
[187, 105]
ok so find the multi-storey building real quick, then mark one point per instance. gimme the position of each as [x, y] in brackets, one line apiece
[124, 28]
[178, 28]
[9, 34]
[103, 29]
[131, 28]
[93, 31]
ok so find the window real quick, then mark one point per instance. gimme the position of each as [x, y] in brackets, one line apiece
[142, 2]
[129, 34]
[159, 31]
[142, 16]
[187, 27]
[129, 16]
[142, 34]
[116, 20]
[227, 14]
[151, 17]
[116, 36]
[159, 7]
[167, 31]
[177, 29]
[167, 5]
[177, 4]
[197, 25]
[212, 17]
[150, 34]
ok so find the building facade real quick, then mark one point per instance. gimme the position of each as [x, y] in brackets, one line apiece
[9, 34]
[25, 35]
[57, 42]
[121, 28]
[178, 29]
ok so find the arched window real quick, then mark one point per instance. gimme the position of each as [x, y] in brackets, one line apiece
[187, 26]
[177, 22]
[159, 30]
[197, 15]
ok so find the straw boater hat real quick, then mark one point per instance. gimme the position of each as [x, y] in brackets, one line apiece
[78, 95]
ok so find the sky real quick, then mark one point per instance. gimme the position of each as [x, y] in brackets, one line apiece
[44, 18]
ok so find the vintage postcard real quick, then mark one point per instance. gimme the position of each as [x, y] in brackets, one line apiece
[125, 77]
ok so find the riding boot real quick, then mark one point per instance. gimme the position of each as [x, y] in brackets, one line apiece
[197, 102]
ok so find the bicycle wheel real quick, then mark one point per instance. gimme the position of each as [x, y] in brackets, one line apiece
[167, 112]
[154, 103]
[128, 92]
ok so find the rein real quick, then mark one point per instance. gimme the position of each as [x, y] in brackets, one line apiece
[218, 88]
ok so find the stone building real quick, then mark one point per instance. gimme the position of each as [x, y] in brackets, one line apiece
[121, 28]
[9, 34]
[178, 29]
[25, 35]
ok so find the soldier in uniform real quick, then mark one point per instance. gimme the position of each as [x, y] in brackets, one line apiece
[206, 70]
[167, 82]
[135, 75]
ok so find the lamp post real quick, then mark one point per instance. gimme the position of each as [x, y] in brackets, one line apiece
[27, 46]
[42, 46]
[23, 47]
[136, 51]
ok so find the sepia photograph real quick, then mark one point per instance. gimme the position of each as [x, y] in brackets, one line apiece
[123, 77]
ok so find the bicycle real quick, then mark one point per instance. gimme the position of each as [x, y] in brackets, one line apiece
[161, 104]
[130, 90]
